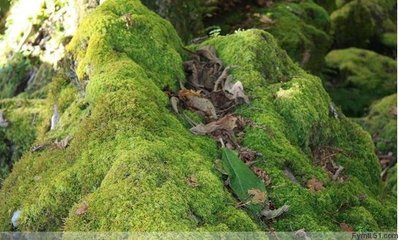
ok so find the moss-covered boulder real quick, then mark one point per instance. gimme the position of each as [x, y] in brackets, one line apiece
[381, 124]
[23, 122]
[130, 157]
[302, 30]
[360, 23]
[357, 77]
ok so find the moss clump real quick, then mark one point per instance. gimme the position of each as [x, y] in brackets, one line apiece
[361, 22]
[301, 29]
[328, 5]
[130, 156]
[381, 124]
[14, 76]
[357, 77]
[24, 118]
[127, 165]
[291, 111]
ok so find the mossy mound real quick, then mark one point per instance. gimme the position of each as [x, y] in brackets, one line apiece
[302, 30]
[358, 23]
[24, 119]
[357, 77]
[381, 124]
[127, 166]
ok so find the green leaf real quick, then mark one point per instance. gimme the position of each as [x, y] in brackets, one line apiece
[241, 178]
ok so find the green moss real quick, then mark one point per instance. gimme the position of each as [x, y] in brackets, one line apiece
[301, 29]
[381, 124]
[129, 164]
[130, 155]
[358, 77]
[291, 116]
[357, 23]
[389, 40]
[328, 5]
[14, 76]
[24, 118]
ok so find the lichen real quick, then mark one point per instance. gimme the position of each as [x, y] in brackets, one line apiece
[357, 77]
[130, 155]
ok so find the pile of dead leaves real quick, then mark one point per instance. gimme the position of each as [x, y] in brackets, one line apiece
[212, 94]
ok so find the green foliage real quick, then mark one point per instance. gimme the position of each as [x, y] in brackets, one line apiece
[358, 77]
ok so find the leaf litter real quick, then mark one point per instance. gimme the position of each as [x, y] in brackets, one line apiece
[211, 92]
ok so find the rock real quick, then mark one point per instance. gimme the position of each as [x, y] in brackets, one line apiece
[357, 77]
[358, 23]
[131, 155]
[26, 117]
[302, 30]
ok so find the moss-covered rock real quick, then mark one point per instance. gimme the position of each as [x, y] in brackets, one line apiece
[24, 119]
[302, 30]
[381, 124]
[358, 23]
[127, 165]
[357, 77]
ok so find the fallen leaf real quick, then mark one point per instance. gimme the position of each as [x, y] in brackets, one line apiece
[62, 144]
[227, 122]
[236, 89]
[3, 120]
[346, 227]
[314, 185]
[241, 178]
[192, 181]
[257, 196]
[247, 155]
[202, 104]
[266, 20]
[184, 94]
[262, 174]
[82, 209]
[174, 102]
[209, 52]
[270, 214]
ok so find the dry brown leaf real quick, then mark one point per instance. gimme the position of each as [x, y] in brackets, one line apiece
[257, 196]
[346, 227]
[192, 181]
[174, 102]
[185, 93]
[82, 209]
[236, 89]
[247, 155]
[266, 20]
[62, 143]
[314, 185]
[262, 174]
[202, 104]
[227, 123]
[209, 52]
